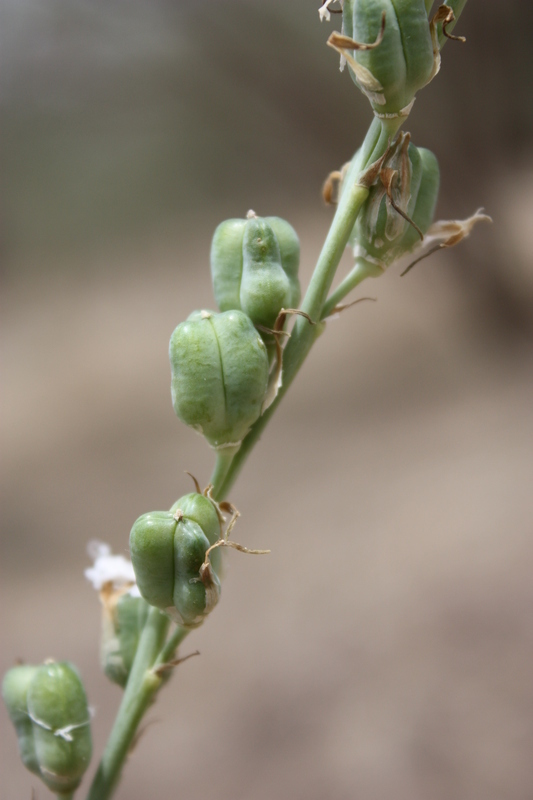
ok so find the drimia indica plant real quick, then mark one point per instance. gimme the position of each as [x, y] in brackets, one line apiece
[229, 371]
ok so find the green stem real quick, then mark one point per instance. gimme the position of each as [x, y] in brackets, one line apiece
[224, 457]
[169, 650]
[363, 269]
[303, 334]
[142, 685]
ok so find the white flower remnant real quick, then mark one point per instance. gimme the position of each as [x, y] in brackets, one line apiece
[110, 570]
[323, 12]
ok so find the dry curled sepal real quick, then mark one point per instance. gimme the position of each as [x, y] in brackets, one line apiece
[332, 185]
[390, 178]
[206, 570]
[168, 665]
[275, 379]
[337, 311]
[446, 233]
[443, 15]
[368, 83]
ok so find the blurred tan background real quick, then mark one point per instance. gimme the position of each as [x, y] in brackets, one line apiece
[385, 648]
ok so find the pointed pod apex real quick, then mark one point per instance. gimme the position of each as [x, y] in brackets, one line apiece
[254, 267]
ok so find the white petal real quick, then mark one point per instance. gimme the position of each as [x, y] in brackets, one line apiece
[108, 568]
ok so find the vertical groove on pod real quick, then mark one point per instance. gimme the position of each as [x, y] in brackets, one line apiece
[401, 36]
[221, 366]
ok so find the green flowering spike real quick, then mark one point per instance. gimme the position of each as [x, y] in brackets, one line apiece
[410, 185]
[167, 550]
[391, 73]
[123, 622]
[254, 266]
[219, 367]
[15, 693]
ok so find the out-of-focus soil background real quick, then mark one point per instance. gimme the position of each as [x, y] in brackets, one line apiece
[385, 647]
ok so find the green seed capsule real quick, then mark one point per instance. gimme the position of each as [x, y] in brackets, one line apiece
[48, 707]
[254, 266]
[402, 63]
[167, 550]
[219, 367]
[381, 235]
[122, 625]
[15, 693]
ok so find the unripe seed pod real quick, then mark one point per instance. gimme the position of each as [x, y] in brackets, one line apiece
[167, 550]
[55, 743]
[123, 622]
[15, 693]
[381, 234]
[254, 266]
[219, 367]
[402, 63]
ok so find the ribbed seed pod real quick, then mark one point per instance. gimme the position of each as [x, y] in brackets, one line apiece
[402, 63]
[167, 550]
[123, 622]
[254, 267]
[381, 234]
[55, 742]
[219, 367]
[15, 694]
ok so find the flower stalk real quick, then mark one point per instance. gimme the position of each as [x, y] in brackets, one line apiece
[223, 364]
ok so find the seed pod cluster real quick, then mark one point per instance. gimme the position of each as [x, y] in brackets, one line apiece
[220, 362]
[167, 550]
[48, 707]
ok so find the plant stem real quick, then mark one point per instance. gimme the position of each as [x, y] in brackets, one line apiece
[303, 334]
[224, 457]
[142, 685]
[169, 650]
[363, 269]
